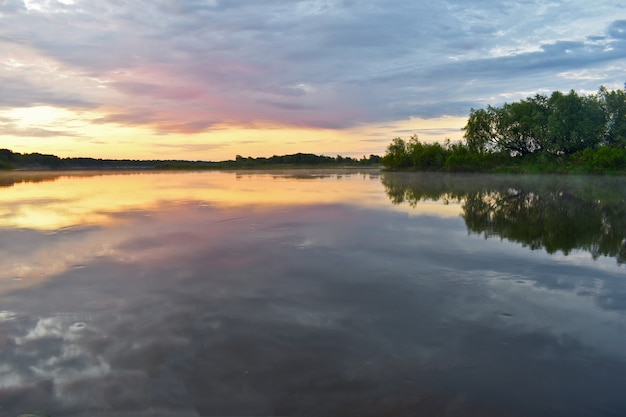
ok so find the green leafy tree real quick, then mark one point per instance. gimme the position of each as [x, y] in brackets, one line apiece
[613, 104]
[560, 133]
[480, 130]
[522, 126]
[397, 155]
[426, 156]
[575, 122]
[515, 129]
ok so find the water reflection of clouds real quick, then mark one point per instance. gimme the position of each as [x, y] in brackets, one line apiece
[592, 280]
[79, 198]
[58, 344]
[64, 206]
[31, 255]
[525, 302]
[196, 310]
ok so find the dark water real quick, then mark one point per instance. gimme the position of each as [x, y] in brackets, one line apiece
[313, 294]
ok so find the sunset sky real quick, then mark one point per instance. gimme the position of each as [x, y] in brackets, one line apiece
[209, 79]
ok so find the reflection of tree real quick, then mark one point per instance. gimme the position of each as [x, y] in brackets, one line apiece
[9, 179]
[555, 213]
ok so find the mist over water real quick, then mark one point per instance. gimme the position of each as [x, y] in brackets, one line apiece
[311, 293]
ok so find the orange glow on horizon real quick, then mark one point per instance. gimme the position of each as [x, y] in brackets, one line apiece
[49, 201]
[97, 206]
[67, 133]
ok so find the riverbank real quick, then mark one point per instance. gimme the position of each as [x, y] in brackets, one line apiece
[10, 160]
[413, 155]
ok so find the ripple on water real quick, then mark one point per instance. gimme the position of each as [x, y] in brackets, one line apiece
[78, 326]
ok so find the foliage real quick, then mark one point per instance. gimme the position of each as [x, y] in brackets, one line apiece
[284, 161]
[35, 161]
[415, 154]
[613, 104]
[12, 160]
[6, 165]
[561, 124]
[557, 133]
[397, 155]
[603, 159]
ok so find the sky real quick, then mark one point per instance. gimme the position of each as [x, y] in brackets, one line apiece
[210, 79]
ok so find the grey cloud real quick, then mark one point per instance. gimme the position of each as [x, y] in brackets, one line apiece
[440, 132]
[157, 91]
[189, 328]
[16, 92]
[131, 117]
[493, 75]
[10, 7]
[159, 122]
[286, 105]
[617, 29]
[364, 56]
[36, 132]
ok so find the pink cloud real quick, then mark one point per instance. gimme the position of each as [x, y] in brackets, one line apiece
[168, 92]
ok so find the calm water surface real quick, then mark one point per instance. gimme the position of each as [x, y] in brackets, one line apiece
[312, 294]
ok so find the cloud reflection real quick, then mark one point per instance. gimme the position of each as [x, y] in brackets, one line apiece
[90, 198]
[330, 306]
[52, 223]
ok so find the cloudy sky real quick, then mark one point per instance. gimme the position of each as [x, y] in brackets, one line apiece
[209, 79]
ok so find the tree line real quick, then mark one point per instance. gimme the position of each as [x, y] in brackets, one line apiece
[36, 160]
[307, 160]
[558, 133]
[15, 160]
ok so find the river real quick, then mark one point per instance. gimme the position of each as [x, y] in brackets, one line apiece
[310, 293]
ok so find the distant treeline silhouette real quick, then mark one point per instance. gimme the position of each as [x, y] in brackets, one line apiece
[560, 133]
[293, 160]
[15, 160]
